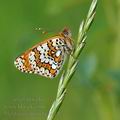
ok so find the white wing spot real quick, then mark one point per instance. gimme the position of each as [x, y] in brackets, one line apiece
[54, 43]
[54, 66]
[46, 60]
[43, 48]
[40, 49]
[42, 70]
[37, 70]
[58, 53]
[19, 63]
[42, 57]
[31, 57]
[51, 61]
[47, 72]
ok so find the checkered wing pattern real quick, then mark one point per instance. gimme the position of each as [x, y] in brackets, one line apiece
[47, 57]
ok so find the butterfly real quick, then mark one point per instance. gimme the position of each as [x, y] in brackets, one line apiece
[47, 57]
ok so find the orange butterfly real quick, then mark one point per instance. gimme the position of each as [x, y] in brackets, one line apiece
[47, 57]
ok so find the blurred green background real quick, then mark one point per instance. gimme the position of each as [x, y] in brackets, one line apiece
[94, 91]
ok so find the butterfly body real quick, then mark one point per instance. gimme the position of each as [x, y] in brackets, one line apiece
[47, 57]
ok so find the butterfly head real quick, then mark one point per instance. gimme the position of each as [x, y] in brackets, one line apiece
[66, 33]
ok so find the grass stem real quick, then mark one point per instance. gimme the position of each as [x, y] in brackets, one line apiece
[73, 61]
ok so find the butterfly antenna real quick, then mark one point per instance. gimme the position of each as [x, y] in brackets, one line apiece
[42, 30]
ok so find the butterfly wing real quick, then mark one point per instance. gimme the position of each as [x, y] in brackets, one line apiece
[45, 58]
